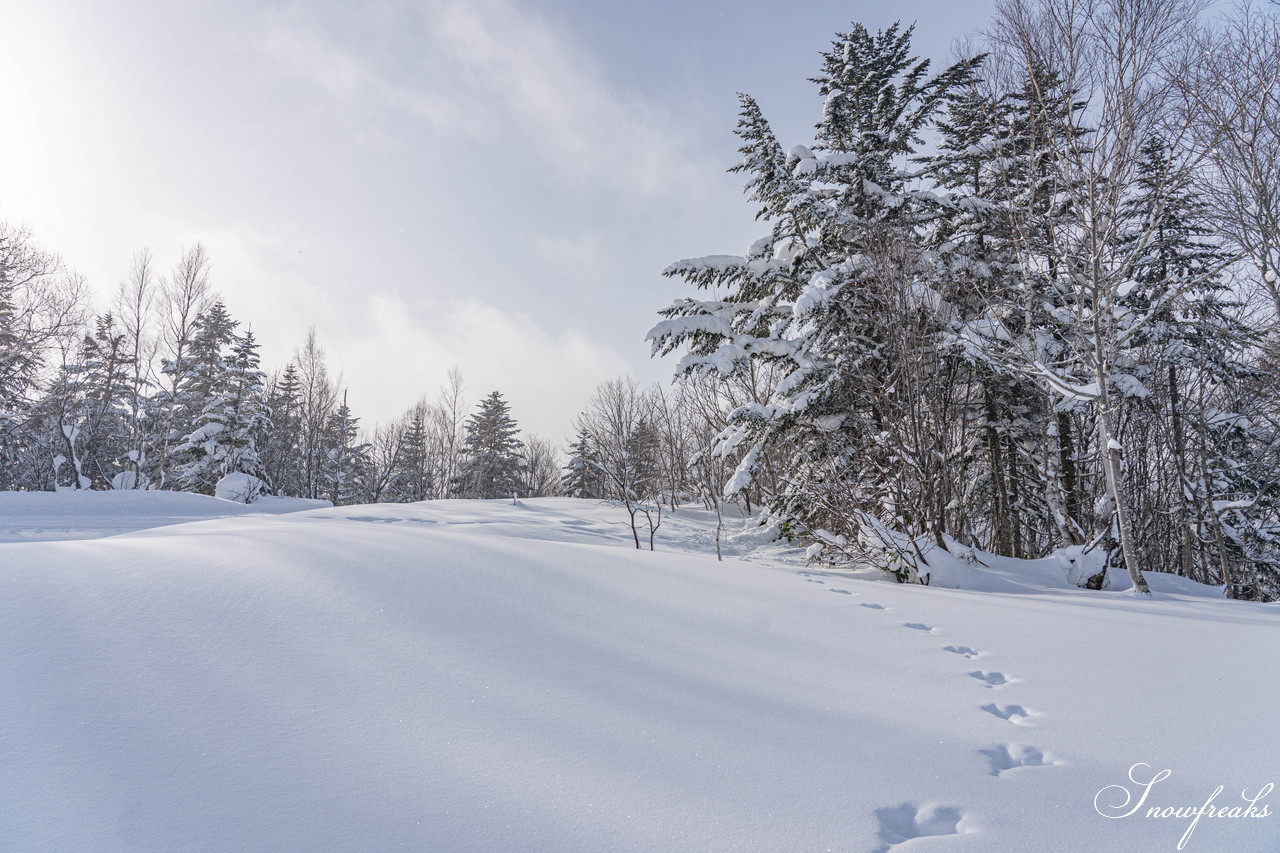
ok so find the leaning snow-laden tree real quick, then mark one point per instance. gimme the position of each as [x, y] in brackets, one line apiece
[493, 464]
[836, 297]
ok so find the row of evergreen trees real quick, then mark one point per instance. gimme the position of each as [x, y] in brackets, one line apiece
[1031, 335]
[166, 391]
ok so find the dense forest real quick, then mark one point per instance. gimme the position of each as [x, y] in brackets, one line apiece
[1027, 304]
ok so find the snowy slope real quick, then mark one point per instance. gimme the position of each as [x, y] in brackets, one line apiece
[467, 676]
[41, 516]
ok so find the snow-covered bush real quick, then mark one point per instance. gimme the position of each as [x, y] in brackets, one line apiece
[239, 487]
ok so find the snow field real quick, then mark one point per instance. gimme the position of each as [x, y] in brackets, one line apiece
[466, 675]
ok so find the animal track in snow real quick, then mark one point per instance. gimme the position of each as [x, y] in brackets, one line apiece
[899, 824]
[813, 580]
[919, 626]
[990, 679]
[875, 606]
[963, 650]
[1005, 757]
[1015, 714]
[841, 591]
[373, 519]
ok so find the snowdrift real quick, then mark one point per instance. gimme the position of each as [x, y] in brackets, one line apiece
[40, 516]
[478, 676]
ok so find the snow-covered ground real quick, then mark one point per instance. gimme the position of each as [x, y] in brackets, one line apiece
[461, 676]
[41, 516]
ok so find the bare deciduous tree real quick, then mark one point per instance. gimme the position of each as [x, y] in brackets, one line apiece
[1231, 92]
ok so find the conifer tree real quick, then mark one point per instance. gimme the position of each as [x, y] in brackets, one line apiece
[582, 478]
[197, 381]
[280, 452]
[1193, 340]
[17, 363]
[414, 481]
[492, 465]
[345, 456]
[83, 411]
[233, 422]
[830, 295]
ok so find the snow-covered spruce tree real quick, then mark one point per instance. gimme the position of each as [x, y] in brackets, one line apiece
[996, 501]
[1262, 538]
[1022, 483]
[345, 458]
[492, 463]
[1189, 358]
[835, 296]
[582, 477]
[105, 433]
[415, 477]
[279, 449]
[234, 421]
[1037, 319]
[195, 382]
[83, 413]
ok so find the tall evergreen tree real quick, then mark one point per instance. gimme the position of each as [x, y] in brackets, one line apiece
[235, 418]
[197, 380]
[345, 456]
[279, 450]
[492, 464]
[582, 477]
[831, 295]
[415, 477]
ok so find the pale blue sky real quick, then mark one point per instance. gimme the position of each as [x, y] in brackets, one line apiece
[493, 183]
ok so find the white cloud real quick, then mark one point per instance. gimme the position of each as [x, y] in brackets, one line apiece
[583, 259]
[490, 70]
[304, 54]
[546, 375]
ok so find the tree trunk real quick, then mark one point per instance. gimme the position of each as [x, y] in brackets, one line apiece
[1181, 516]
[1070, 474]
[1115, 481]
